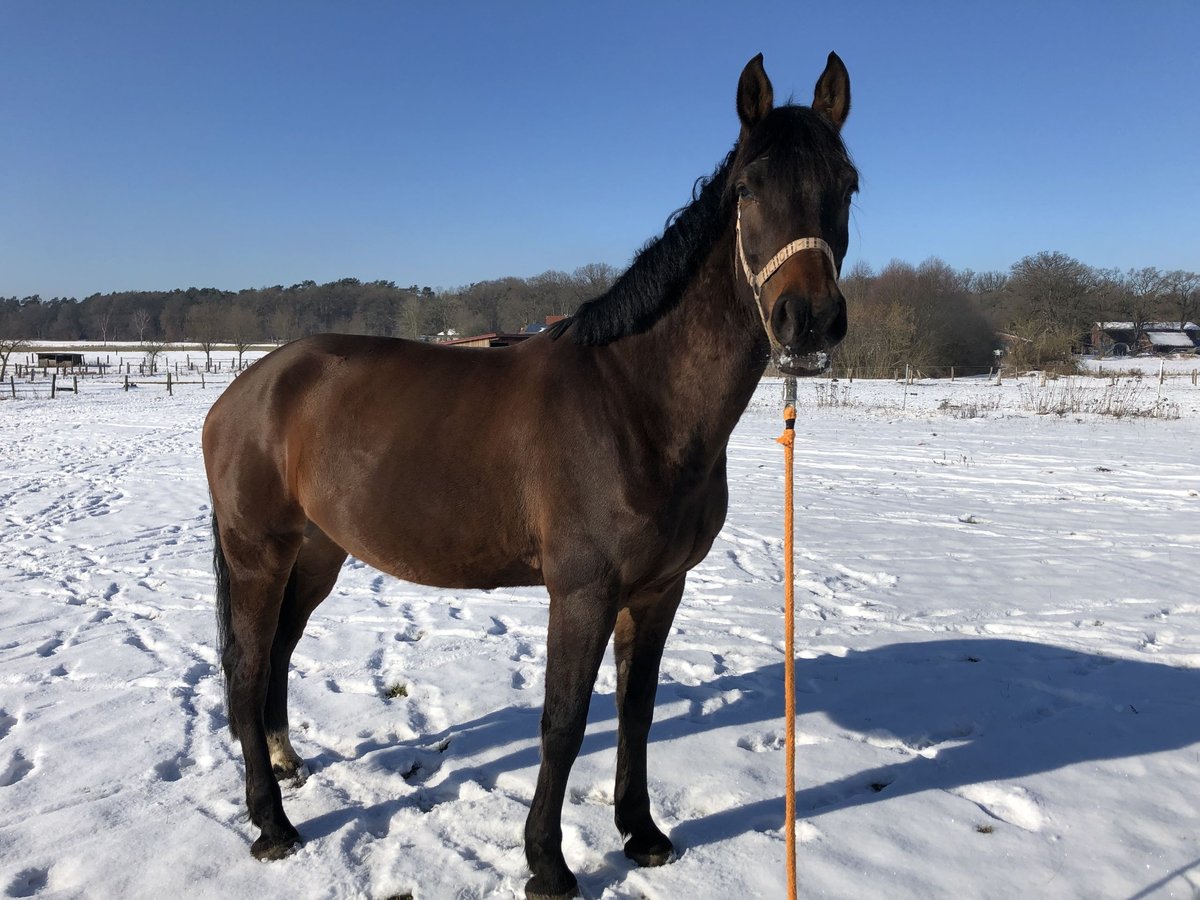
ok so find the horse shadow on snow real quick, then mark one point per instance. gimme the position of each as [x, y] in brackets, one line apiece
[992, 709]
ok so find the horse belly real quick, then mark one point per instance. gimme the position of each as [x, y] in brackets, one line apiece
[423, 526]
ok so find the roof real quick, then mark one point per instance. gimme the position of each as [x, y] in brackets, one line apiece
[1148, 326]
[1169, 339]
[493, 339]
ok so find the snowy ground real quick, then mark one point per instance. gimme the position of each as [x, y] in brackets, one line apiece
[998, 622]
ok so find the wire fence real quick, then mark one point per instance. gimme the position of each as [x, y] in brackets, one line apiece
[31, 379]
[910, 374]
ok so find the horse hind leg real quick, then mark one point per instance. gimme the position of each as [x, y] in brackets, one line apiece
[252, 574]
[641, 631]
[312, 578]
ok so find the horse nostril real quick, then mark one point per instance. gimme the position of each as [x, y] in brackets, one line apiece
[804, 327]
[791, 320]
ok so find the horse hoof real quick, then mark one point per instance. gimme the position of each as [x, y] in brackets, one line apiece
[654, 853]
[276, 846]
[537, 888]
[296, 774]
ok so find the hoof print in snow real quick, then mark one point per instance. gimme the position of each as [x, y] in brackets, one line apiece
[18, 767]
[28, 883]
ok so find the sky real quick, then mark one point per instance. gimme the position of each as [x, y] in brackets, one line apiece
[150, 146]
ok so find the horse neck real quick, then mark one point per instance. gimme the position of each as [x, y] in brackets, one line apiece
[699, 364]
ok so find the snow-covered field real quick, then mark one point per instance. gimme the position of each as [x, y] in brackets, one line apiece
[999, 615]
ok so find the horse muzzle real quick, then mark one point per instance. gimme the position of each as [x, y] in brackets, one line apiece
[805, 330]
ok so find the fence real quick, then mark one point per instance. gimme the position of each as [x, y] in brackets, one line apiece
[53, 385]
[24, 382]
[908, 374]
[30, 369]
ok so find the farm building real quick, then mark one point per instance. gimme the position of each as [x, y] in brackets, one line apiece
[59, 360]
[1125, 338]
[490, 339]
[503, 338]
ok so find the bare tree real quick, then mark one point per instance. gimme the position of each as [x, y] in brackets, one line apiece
[988, 282]
[100, 317]
[153, 350]
[241, 325]
[9, 346]
[411, 318]
[140, 319]
[1054, 289]
[283, 324]
[203, 327]
[1142, 297]
[596, 278]
[1182, 290]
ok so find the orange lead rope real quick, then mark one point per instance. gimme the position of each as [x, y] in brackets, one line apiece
[788, 439]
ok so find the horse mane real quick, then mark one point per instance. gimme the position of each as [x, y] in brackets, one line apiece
[661, 271]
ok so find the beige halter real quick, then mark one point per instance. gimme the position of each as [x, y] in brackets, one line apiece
[756, 282]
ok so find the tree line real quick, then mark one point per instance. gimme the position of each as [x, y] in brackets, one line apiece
[931, 316]
[276, 314]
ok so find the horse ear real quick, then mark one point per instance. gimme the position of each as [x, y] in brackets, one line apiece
[832, 95]
[755, 97]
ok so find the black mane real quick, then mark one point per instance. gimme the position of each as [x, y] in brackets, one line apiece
[663, 268]
[660, 272]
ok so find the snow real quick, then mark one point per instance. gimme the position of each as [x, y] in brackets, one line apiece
[998, 619]
[1148, 326]
[1170, 339]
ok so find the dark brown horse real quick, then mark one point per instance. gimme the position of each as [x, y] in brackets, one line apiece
[590, 459]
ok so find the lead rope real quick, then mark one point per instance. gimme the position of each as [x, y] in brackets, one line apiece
[788, 440]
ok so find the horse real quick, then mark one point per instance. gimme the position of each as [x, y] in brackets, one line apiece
[590, 458]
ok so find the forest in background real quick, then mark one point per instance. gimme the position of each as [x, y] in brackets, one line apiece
[931, 316]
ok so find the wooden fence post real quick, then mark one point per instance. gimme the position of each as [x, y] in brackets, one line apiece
[169, 391]
[12, 385]
[53, 385]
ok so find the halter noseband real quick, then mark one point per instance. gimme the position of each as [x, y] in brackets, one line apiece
[756, 282]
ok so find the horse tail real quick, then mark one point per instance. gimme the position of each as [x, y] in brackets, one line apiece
[226, 641]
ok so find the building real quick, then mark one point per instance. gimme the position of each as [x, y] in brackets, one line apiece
[502, 338]
[1128, 338]
[59, 360]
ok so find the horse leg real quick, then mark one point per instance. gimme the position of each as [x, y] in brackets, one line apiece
[641, 631]
[258, 570]
[580, 625]
[312, 578]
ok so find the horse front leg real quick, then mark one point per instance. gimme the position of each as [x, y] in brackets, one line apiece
[641, 631]
[580, 625]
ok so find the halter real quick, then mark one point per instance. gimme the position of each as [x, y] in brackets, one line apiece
[756, 282]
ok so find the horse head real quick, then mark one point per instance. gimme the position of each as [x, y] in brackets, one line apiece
[793, 182]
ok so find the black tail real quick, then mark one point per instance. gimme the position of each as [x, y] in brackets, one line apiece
[225, 637]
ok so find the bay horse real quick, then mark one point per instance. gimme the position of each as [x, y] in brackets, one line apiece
[590, 458]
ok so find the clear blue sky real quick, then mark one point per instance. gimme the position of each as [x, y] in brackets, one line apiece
[153, 145]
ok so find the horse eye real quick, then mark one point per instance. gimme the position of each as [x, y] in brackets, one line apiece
[743, 192]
